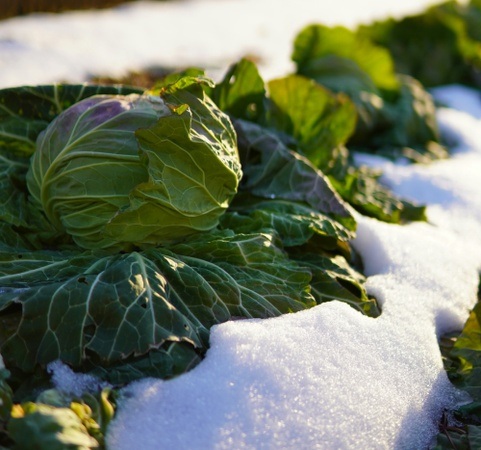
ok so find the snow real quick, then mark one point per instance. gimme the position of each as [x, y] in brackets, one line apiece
[211, 33]
[329, 377]
[71, 383]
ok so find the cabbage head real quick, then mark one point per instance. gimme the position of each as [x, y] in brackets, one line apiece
[116, 171]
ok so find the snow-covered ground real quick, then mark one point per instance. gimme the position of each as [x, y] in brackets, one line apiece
[328, 377]
[210, 33]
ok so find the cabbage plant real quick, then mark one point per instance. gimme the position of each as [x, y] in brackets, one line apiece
[117, 170]
[146, 181]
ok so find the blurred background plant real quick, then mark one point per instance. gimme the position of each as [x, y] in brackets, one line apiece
[12, 8]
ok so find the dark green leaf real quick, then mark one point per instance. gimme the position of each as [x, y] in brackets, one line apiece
[173, 358]
[361, 188]
[296, 224]
[271, 170]
[250, 270]
[6, 395]
[113, 306]
[334, 279]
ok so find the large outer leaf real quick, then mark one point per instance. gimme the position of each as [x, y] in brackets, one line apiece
[334, 279]
[319, 120]
[296, 224]
[171, 359]
[251, 270]
[13, 208]
[114, 308]
[318, 50]
[271, 170]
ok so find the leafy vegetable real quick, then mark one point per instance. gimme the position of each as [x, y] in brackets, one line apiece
[133, 221]
[56, 421]
[462, 360]
[344, 60]
[297, 115]
[396, 116]
[147, 310]
[438, 46]
[88, 178]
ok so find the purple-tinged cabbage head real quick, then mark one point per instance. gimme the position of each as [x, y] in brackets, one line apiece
[118, 171]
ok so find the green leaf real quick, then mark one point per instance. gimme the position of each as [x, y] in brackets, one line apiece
[6, 394]
[13, 203]
[251, 270]
[44, 427]
[242, 92]
[194, 171]
[271, 170]
[113, 307]
[414, 132]
[296, 224]
[362, 189]
[334, 279]
[463, 364]
[338, 58]
[174, 77]
[467, 352]
[172, 359]
[318, 120]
